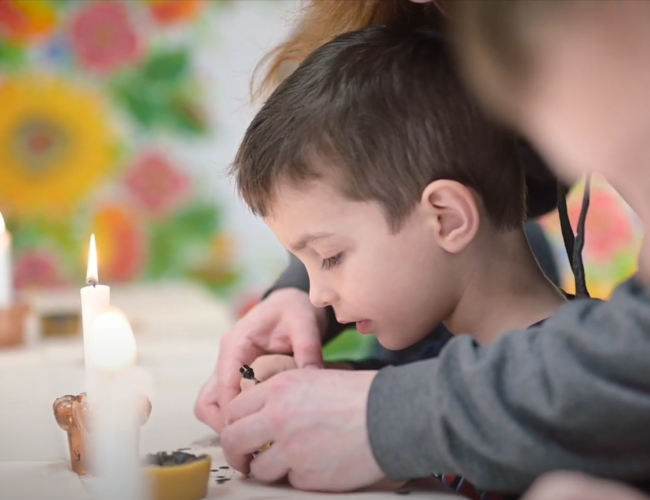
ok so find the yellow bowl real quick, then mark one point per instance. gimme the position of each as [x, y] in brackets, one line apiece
[179, 481]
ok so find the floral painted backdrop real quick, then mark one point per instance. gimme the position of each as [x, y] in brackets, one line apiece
[90, 94]
[95, 94]
[612, 239]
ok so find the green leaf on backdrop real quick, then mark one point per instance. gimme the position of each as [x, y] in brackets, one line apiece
[54, 235]
[186, 116]
[218, 281]
[12, 57]
[163, 257]
[62, 6]
[32, 233]
[170, 65]
[139, 101]
[624, 265]
[158, 95]
[173, 240]
[198, 220]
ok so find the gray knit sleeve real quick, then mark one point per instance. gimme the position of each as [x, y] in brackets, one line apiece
[573, 393]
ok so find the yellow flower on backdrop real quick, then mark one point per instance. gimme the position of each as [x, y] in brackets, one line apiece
[56, 145]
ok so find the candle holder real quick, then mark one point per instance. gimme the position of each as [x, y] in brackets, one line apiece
[60, 324]
[72, 413]
[12, 325]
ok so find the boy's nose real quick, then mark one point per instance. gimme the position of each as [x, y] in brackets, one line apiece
[320, 295]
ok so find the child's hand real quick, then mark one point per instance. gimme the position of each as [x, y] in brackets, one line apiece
[268, 365]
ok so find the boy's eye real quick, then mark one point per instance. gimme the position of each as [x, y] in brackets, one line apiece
[331, 262]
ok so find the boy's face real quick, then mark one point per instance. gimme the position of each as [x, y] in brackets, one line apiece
[395, 286]
[587, 105]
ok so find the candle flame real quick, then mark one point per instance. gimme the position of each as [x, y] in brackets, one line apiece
[92, 275]
[113, 345]
[2, 224]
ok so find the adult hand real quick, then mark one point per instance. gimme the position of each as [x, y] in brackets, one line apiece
[577, 486]
[284, 322]
[316, 420]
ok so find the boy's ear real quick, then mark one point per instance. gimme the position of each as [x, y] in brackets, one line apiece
[452, 213]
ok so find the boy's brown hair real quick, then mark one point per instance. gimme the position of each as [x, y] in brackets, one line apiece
[380, 113]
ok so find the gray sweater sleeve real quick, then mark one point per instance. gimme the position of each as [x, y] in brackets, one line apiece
[295, 276]
[573, 393]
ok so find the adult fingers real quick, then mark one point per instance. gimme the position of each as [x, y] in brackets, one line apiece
[246, 403]
[269, 465]
[206, 408]
[237, 348]
[223, 384]
[243, 438]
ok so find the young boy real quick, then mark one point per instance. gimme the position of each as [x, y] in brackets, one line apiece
[372, 165]
[573, 393]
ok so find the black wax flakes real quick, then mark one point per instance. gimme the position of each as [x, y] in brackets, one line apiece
[224, 474]
[163, 459]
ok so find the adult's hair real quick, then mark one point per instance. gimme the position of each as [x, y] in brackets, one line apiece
[319, 21]
[496, 41]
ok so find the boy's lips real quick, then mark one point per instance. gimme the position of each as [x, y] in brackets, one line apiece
[364, 326]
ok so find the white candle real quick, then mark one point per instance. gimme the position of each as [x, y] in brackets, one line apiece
[116, 410]
[95, 299]
[5, 266]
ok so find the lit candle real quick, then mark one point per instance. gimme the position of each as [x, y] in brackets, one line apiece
[5, 266]
[95, 299]
[116, 410]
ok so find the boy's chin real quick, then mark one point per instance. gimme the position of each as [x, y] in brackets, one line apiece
[396, 343]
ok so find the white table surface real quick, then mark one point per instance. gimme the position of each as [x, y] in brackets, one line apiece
[177, 329]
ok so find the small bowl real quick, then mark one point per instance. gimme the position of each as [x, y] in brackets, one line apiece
[177, 475]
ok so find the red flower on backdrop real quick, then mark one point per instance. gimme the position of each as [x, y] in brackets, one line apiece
[103, 36]
[121, 245]
[173, 11]
[609, 229]
[37, 268]
[25, 21]
[157, 185]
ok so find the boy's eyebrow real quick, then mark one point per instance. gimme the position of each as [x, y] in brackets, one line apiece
[308, 238]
